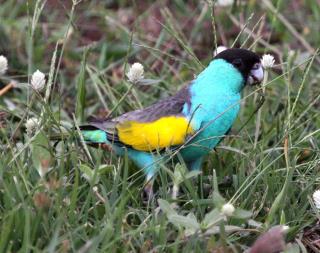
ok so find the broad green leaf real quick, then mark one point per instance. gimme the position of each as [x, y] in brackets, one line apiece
[166, 207]
[192, 216]
[192, 174]
[255, 224]
[105, 168]
[282, 218]
[149, 81]
[189, 232]
[183, 221]
[218, 200]
[41, 155]
[179, 172]
[89, 174]
[228, 229]
[241, 214]
[211, 218]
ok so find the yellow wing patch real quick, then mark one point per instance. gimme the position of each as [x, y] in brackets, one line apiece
[162, 133]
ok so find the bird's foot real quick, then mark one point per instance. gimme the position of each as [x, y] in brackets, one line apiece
[148, 193]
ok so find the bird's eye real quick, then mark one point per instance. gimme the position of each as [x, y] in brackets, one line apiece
[237, 63]
[256, 66]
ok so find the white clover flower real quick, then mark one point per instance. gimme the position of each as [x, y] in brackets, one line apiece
[267, 61]
[135, 73]
[38, 80]
[218, 50]
[291, 53]
[3, 65]
[227, 209]
[316, 198]
[67, 201]
[224, 3]
[31, 125]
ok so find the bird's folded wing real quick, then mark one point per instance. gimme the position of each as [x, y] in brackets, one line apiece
[156, 127]
[161, 133]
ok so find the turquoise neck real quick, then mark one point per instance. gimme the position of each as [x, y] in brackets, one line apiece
[219, 76]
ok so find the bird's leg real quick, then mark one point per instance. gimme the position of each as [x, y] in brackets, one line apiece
[148, 193]
[148, 163]
[195, 165]
[150, 172]
[148, 190]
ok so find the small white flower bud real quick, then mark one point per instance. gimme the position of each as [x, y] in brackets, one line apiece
[38, 80]
[291, 53]
[227, 209]
[135, 73]
[267, 61]
[3, 65]
[31, 125]
[67, 201]
[316, 198]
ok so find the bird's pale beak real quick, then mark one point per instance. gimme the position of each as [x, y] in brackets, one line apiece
[256, 74]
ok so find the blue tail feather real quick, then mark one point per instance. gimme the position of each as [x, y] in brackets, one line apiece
[94, 136]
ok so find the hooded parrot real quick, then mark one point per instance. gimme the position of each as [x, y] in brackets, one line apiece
[191, 122]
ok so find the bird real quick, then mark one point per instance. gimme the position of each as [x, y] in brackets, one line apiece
[190, 123]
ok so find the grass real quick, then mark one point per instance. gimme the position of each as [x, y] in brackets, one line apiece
[66, 196]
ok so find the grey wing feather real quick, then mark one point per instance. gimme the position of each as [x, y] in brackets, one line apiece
[169, 106]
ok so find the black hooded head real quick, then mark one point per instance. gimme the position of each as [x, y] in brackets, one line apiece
[247, 62]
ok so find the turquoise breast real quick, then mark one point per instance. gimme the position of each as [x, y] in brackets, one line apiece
[215, 104]
[212, 129]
